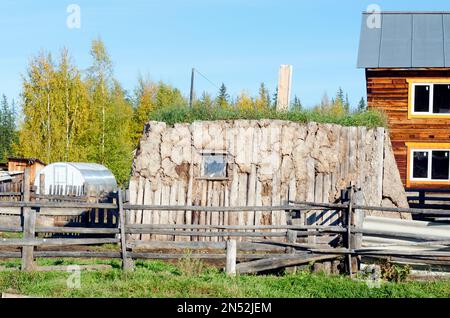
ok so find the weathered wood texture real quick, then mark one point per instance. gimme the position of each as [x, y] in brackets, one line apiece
[387, 90]
[269, 163]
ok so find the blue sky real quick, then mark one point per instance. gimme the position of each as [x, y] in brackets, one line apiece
[240, 43]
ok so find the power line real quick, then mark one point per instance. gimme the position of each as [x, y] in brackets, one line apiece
[211, 82]
[191, 95]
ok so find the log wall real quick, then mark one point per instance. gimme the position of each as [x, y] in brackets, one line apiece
[269, 163]
[387, 90]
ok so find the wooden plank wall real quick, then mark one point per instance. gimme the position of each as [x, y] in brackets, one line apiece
[359, 157]
[387, 90]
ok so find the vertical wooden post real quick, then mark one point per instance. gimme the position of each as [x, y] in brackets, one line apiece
[42, 184]
[230, 267]
[357, 223]
[421, 198]
[291, 238]
[127, 264]
[29, 225]
[91, 196]
[349, 230]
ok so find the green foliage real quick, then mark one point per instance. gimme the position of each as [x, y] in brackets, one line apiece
[71, 118]
[160, 279]
[69, 115]
[394, 272]
[263, 99]
[190, 266]
[223, 99]
[172, 115]
[275, 98]
[296, 104]
[362, 106]
[8, 133]
[339, 105]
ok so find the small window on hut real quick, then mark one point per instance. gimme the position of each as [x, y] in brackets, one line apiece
[214, 166]
[430, 165]
[431, 99]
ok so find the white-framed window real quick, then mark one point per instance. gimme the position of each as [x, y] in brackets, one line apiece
[431, 98]
[430, 165]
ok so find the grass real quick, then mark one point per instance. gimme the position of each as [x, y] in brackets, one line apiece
[160, 279]
[172, 115]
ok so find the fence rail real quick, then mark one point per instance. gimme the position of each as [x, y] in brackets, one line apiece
[256, 247]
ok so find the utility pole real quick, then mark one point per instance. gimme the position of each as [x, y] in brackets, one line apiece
[284, 87]
[191, 97]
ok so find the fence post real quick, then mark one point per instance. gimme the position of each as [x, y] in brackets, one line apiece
[357, 223]
[42, 184]
[29, 225]
[349, 228]
[421, 198]
[127, 264]
[291, 238]
[230, 267]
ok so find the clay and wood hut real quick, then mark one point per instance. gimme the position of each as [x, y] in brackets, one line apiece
[258, 163]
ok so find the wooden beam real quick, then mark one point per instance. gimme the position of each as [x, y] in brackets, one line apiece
[29, 223]
[230, 267]
[271, 263]
[127, 264]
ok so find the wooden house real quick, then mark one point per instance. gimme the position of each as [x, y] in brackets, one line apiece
[16, 167]
[406, 56]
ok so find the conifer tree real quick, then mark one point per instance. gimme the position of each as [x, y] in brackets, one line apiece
[362, 105]
[275, 98]
[338, 103]
[296, 104]
[7, 129]
[263, 99]
[346, 104]
[223, 99]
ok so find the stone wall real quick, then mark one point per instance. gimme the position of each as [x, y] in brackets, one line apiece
[269, 163]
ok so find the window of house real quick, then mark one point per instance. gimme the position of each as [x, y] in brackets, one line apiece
[431, 98]
[430, 165]
[214, 166]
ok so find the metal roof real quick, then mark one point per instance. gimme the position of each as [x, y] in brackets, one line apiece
[95, 174]
[405, 40]
[28, 161]
[5, 176]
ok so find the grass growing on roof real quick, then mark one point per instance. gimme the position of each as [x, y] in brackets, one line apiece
[175, 114]
[161, 279]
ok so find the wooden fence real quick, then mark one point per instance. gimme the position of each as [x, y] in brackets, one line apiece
[245, 248]
[429, 198]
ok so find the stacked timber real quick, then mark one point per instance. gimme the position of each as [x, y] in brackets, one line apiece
[269, 163]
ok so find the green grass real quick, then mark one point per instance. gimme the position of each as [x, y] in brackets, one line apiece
[160, 279]
[172, 115]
